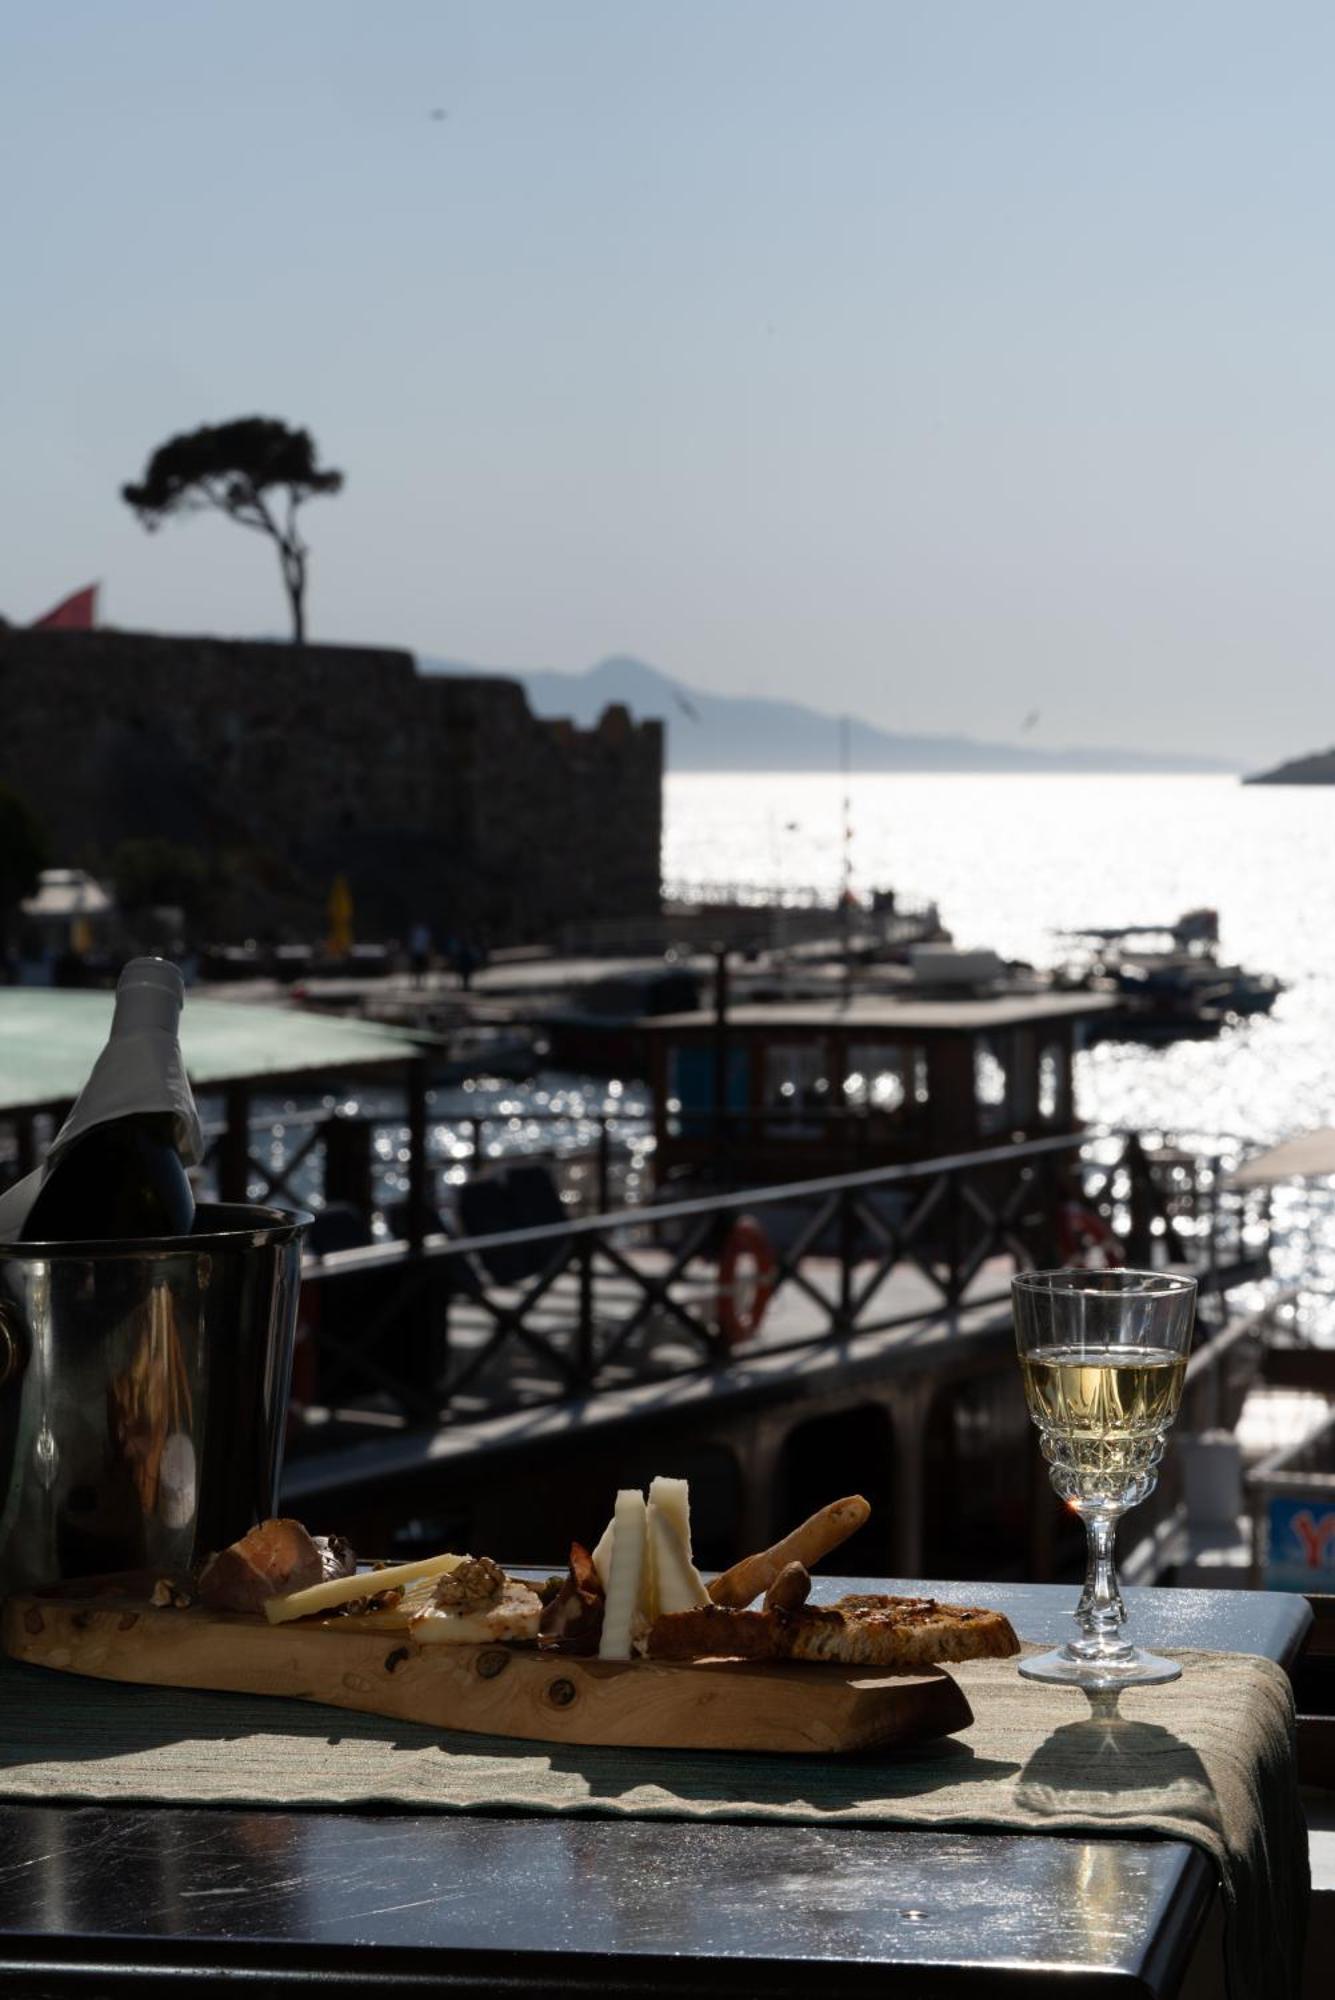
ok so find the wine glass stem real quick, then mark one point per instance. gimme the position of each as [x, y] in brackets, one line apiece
[1104, 1612]
[1083, 1608]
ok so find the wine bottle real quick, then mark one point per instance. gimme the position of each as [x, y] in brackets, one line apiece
[115, 1168]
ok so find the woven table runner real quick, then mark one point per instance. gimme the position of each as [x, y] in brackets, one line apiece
[1207, 1759]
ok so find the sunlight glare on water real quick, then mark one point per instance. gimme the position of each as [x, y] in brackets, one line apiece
[1009, 859]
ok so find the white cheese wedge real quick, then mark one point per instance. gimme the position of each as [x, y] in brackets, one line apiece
[672, 1498]
[630, 1525]
[601, 1554]
[676, 1584]
[343, 1589]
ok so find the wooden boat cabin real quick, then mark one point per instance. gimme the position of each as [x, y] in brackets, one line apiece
[777, 1091]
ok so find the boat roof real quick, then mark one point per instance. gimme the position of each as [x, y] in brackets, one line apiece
[49, 1039]
[869, 1011]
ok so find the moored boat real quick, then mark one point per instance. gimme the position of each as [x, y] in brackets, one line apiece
[1169, 976]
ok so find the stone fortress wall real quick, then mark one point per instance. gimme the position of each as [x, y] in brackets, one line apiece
[440, 799]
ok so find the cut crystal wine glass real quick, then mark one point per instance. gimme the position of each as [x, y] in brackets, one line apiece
[1104, 1356]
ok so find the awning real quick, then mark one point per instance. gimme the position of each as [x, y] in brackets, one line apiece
[1309, 1156]
[49, 1038]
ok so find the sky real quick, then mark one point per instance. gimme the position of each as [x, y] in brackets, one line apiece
[939, 360]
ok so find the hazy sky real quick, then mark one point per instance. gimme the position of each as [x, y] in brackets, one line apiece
[942, 359]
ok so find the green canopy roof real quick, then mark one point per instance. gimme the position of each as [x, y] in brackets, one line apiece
[49, 1040]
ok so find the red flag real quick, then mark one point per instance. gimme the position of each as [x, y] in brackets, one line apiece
[73, 614]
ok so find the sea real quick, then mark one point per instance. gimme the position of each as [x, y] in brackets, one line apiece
[1012, 862]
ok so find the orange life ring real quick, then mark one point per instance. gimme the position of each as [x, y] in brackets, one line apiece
[743, 1295]
[1085, 1241]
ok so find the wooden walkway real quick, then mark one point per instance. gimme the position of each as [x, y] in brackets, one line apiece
[532, 1367]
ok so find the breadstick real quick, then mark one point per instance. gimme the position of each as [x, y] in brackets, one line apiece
[806, 1545]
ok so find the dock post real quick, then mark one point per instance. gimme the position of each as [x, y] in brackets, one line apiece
[1140, 1239]
[584, 1357]
[908, 1405]
[604, 1165]
[234, 1151]
[758, 1454]
[720, 1118]
[954, 1208]
[429, 1362]
[419, 1177]
[847, 1252]
[347, 1163]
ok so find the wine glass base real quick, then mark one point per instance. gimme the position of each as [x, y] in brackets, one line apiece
[1066, 1668]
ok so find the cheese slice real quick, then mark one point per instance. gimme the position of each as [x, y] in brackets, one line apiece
[517, 1614]
[672, 1498]
[625, 1579]
[601, 1555]
[345, 1589]
[395, 1617]
[676, 1584]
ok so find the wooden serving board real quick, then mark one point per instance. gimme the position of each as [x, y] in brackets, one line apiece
[497, 1690]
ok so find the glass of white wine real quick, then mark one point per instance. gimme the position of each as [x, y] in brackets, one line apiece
[1104, 1355]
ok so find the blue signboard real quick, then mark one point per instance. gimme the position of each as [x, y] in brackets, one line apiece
[1301, 1544]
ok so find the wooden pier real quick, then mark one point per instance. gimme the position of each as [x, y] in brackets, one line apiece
[574, 1359]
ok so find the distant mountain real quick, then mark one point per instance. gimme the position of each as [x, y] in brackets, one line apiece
[1318, 769]
[716, 732]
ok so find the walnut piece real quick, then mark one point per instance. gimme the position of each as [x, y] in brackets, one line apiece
[477, 1583]
[789, 1590]
[166, 1593]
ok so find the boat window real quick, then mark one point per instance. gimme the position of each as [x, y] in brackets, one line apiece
[796, 1084]
[690, 1073]
[920, 1089]
[1051, 1080]
[989, 1085]
[795, 1074]
[876, 1079]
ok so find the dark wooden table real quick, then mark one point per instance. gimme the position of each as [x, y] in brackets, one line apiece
[101, 1900]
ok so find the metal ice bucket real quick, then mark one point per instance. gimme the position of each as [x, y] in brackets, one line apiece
[143, 1389]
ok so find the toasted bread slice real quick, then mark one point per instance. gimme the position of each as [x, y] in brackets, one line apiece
[901, 1633]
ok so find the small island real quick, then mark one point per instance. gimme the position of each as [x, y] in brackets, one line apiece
[1316, 769]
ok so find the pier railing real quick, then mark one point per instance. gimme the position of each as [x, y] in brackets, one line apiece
[752, 916]
[381, 1160]
[460, 1329]
[594, 1155]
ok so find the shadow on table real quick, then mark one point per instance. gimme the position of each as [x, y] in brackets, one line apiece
[759, 1782]
[1111, 1766]
[58, 1718]
[53, 1719]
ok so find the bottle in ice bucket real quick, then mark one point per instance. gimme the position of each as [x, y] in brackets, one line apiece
[117, 1167]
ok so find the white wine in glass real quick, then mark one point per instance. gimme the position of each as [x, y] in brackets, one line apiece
[1103, 1355]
